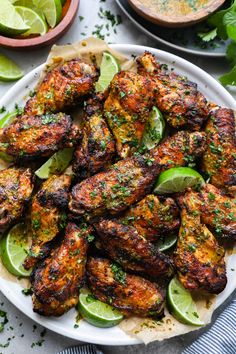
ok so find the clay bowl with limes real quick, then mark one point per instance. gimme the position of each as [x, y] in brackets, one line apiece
[35, 23]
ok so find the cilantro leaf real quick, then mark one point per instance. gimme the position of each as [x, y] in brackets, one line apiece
[229, 21]
[208, 36]
[217, 20]
[229, 78]
[231, 53]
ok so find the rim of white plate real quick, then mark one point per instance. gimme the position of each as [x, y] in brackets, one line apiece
[86, 332]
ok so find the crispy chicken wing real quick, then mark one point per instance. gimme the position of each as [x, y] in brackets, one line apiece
[56, 282]
[36, 136]
[124, 245]
[16, 186]
[199, 259]
[131, 294]
[177, 98]
[47, 215]
[97, 148]
[127, 107]
[153, 217]
[129, 180]
[219, 160]
[63, 87]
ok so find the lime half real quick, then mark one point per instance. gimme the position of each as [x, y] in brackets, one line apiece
[98, 313]
[51, 9]
[56, 164]
[154, 129]
[11, 23]
[9, 71]
[14, 249]
[33, 20]
[167, 242]
[7, 119]
[181, 304]
[109, 67]
[177, 179]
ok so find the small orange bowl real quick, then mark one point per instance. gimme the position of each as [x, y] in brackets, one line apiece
[69, 12]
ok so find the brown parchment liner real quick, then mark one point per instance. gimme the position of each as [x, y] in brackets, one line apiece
[146, 330]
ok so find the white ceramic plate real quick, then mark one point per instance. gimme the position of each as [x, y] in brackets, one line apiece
[65, 324]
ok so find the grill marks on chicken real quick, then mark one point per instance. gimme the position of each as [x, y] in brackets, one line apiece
[63, 87]
[128, 293]
[199, 259]
[97, 147]
[56, 282]
[16, 186]
[36, 136]
[124, 245]
[177, 98]
[127, 108]
[48, 216]
[129, 180]
[219, 159]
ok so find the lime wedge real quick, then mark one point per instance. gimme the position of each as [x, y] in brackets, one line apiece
[33, 20]
[177, 179]
[109, 67]
[9, 71]
[163, 244]
[7, 119]
[14, 249]
[98, 313]
[181, 304]
[11, 23]
[52, 10]
[56, 164]
[154, 129]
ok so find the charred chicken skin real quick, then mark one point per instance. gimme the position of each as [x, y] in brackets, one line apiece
[97, 147]
[127, 108]
[177, 98]
[219, 159]
[37, 136]
[56, 282]
[47, 215]
[129, 180]
[16, 186]
[199, 259]
[63, 87]
[124, 245]
[130, 294]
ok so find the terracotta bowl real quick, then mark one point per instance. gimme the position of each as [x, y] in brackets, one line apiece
[50, 37]
[148, 10]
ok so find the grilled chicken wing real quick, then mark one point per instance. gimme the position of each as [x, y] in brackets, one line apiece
[36, 136]
[127, 107]
[153, 217]
[177, 98]
[97, 148]
[47, 215]
[16, 187]
[63, 87]
[199, 259]
[219, 160]
[130, 294]
[129, 180]
[56, 282]
[125, 246]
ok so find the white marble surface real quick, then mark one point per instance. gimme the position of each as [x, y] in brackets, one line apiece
[19, 324]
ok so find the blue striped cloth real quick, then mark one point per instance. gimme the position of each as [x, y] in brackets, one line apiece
[221, 338]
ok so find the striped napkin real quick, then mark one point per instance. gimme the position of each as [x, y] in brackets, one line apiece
[82, 349]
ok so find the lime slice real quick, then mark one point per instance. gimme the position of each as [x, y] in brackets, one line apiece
[154, 129]
[52, 10]
[14, 249]
[11, 23]
[33, 20]
[109, 67]
[9, 71]
[98, 313]
[167, 242]
[56, 164]
[7, 119]
[177, 179]
[181, 304]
